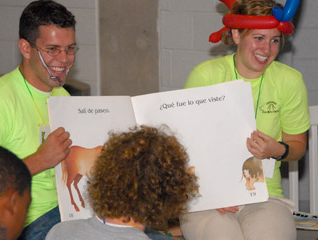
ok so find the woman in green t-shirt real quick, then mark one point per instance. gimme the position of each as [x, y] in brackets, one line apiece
[281, 113]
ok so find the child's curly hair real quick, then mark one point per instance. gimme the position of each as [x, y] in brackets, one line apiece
[141, 174]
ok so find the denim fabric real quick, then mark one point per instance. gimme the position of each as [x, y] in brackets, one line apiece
[155, 235]
[38, 229]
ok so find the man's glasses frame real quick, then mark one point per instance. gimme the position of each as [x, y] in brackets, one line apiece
[55, 51]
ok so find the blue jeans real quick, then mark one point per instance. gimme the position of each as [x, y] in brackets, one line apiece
[41, 226]
[155, 235]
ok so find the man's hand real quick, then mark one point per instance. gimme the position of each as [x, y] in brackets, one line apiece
[54, 149]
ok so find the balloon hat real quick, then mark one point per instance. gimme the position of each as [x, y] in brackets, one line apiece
[280, 20]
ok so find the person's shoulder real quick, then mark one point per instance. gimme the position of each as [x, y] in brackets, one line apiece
[279, 67]
[7, 78]
[9, 83]
[217, 62]
[66, 228]
[213, 71]
[70, 224]
[61, 91]
[284, 76]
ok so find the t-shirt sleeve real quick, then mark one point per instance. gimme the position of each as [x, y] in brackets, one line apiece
[195, 79]
[295, 112]
[213, 71]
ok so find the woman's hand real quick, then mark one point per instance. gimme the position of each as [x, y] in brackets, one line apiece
[227, 209]
[263, 146]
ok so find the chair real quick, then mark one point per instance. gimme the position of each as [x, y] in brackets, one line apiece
[313, 166]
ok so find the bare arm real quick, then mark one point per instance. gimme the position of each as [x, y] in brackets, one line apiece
[54, 149]
[263, 146]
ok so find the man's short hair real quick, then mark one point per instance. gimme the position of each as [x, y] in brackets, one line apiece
[40, 13]
[14, 174]
[141, 174]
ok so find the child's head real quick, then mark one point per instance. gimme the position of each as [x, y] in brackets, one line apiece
[15, 196]
[141, 174]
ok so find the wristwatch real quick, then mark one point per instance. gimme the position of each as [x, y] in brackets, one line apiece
[285, 153]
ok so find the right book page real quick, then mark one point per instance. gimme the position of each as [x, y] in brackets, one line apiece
[213, 124]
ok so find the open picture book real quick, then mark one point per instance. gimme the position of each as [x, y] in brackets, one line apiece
[211, 122]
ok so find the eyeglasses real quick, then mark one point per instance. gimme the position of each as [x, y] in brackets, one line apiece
[55, 51]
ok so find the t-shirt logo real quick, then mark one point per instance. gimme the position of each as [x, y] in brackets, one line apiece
[269, 107]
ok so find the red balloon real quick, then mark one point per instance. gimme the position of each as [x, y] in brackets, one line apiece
[228, 3]
[216, 36]
[286, 27]
[249, 22]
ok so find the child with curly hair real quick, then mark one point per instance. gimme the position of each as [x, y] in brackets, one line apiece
[140, 179]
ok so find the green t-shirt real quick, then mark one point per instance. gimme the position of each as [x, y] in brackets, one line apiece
[283, 103]
[20, 123]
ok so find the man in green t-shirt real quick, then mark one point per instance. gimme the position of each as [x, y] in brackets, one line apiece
[48, 47]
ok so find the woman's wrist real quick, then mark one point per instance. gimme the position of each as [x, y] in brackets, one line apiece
[284, 153]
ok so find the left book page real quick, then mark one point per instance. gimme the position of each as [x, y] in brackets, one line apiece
[89, 120]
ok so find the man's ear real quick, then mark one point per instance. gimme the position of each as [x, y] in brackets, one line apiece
[25, 48]
[236, 36]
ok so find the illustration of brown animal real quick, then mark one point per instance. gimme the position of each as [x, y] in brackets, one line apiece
[78, 164]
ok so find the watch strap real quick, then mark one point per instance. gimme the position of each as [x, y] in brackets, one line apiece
[285, 153]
